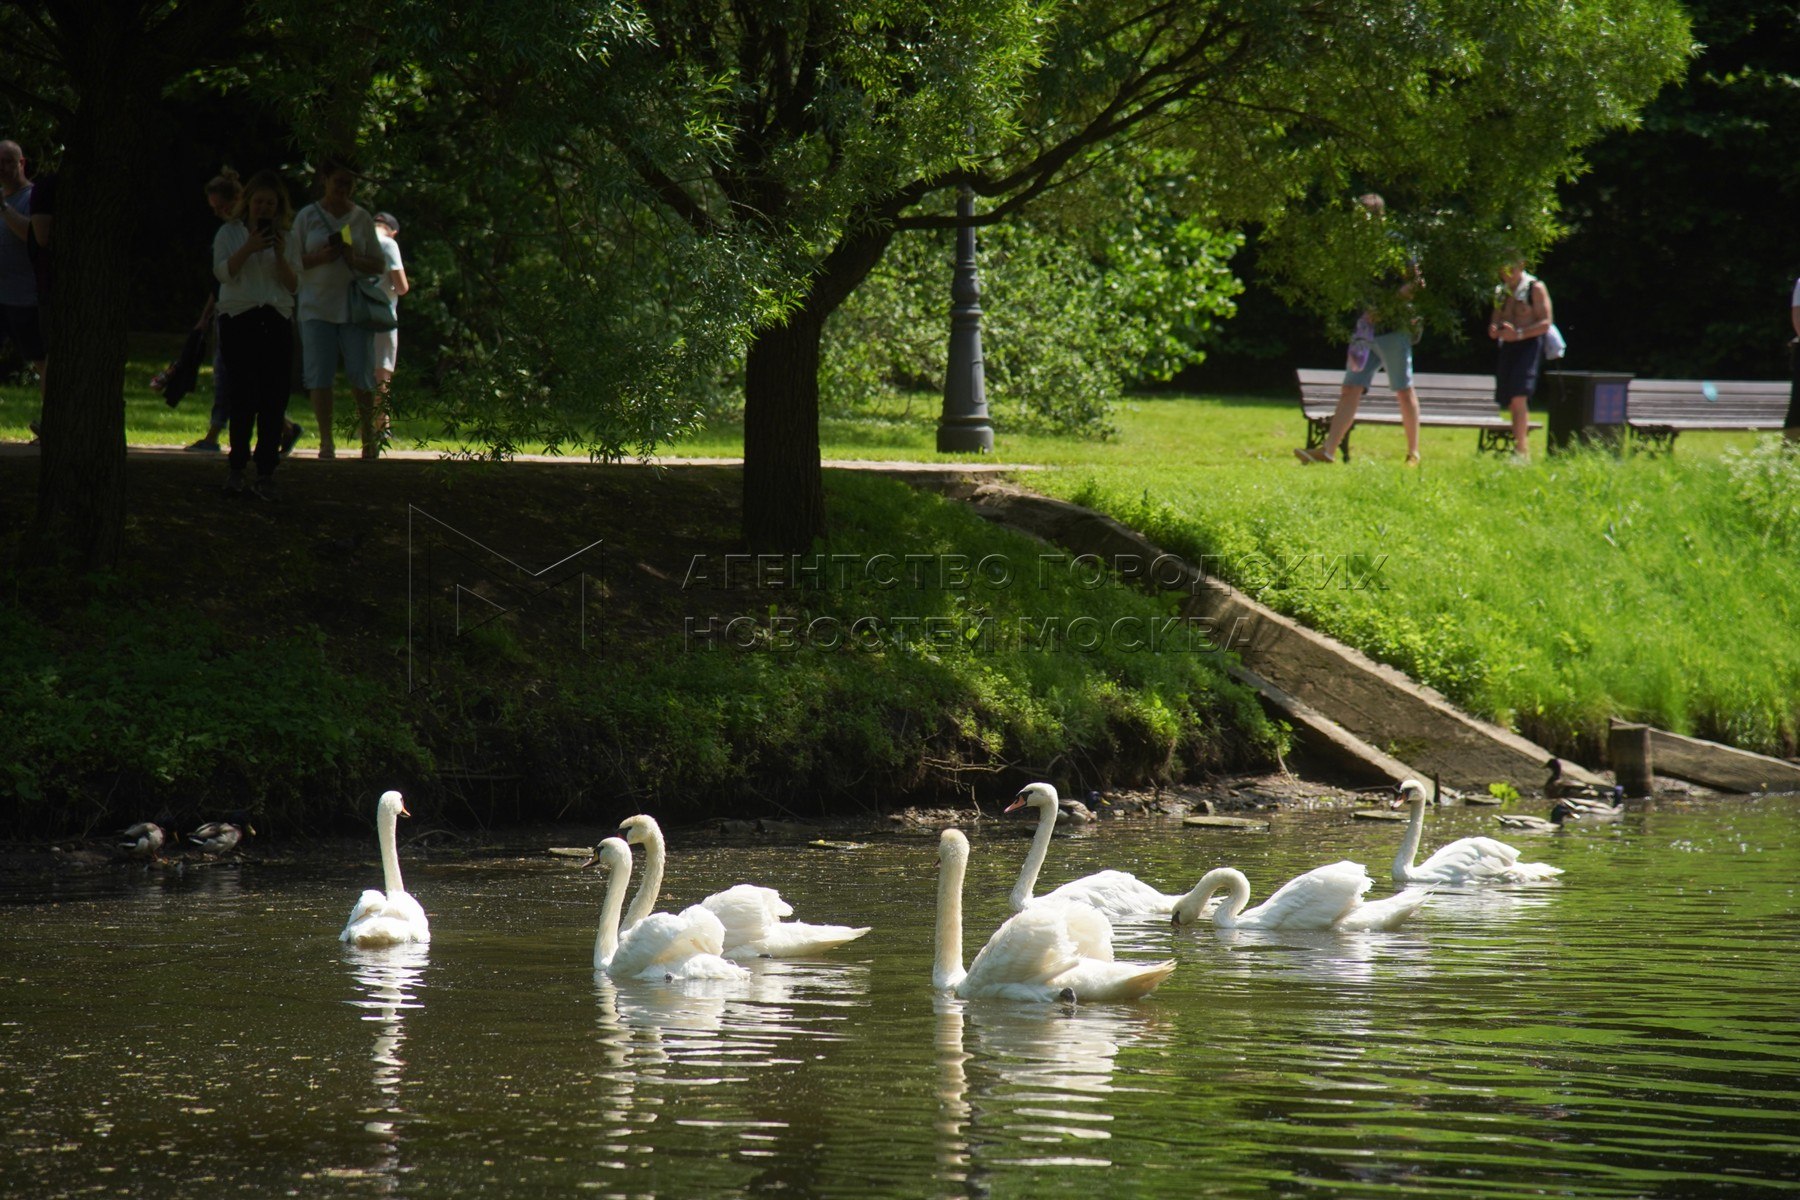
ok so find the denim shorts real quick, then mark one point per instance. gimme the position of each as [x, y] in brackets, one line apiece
[321, 342]
[1392, 353]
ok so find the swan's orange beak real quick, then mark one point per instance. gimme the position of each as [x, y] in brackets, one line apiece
[403, 810]
[1018, 802]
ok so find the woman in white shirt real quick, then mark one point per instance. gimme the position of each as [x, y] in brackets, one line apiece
[254, 264]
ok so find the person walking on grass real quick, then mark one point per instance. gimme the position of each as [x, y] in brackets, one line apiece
[1522, 316]
[254, 265]
[337, 243]
[1384, 337]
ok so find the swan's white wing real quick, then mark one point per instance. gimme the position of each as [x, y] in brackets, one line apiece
[683, 945]
[1318, 899]
[386, 919]
[1479, 859]
[1092, 980]
[1387, 912]
[370, 902]
[793, 939]
[748, 913]
[1115, 893]
[1023, 956]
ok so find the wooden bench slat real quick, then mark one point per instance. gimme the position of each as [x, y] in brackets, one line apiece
[1445, 401]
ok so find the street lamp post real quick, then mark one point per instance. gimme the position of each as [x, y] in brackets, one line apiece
[964, 427]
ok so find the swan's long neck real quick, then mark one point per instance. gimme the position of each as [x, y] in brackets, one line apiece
[606, 939]
[643, 902]
[947, 971]
[1237, 896]
[390, 853]
[1034, 861]
[1409, 845]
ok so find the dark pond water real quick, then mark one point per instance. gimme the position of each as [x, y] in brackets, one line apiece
[1630, 1030]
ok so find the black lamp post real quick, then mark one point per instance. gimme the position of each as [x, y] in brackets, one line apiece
[964, 427]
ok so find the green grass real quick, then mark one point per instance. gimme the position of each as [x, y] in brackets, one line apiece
[1548, 597]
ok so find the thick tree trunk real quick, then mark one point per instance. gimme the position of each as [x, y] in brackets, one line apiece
[81, 482]
[784, 484]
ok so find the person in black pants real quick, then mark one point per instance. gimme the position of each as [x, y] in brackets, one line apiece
[257, 280]
[1792, 431]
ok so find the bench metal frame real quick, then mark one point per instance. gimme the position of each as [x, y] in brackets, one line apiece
[1657, 411]
[1455, 401]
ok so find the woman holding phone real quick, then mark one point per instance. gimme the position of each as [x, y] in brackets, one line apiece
[254, 265]
[336, 243]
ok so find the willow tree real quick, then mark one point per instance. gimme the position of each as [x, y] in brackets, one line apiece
[810, 132]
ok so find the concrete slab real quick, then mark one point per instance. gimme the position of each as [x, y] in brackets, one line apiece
[1407, 724]
[1725, 768]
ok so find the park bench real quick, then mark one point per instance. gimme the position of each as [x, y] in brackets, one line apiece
[1658, 410]
[1460, 401]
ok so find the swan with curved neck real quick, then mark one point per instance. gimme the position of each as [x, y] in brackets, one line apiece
[751, 915]
[1466, 860]
[1114, 893]
[390, 917]
[1054, 950]
[1328, 897]
[665, 946]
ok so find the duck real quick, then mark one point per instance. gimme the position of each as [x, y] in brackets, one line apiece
[1559, 788]
[142, 841]
[1117, 894]
[1328, 897]
[1466, 860]
[222, 837]
[1577, 808]
[752, 915]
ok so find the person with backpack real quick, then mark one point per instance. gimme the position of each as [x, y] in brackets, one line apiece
[1522, 316]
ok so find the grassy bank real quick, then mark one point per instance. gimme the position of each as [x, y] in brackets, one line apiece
[297, 658]
[1549, 597]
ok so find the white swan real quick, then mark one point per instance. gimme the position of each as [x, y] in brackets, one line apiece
[1054, 950]
[392, 918]
[1115, 893]
[1466, 860]
[752, 915]
[1328, 897]
[667, 946]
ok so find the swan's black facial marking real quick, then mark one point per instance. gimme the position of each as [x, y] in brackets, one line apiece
[1067, 995]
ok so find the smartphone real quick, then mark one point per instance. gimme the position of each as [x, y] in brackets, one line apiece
[345, 233]
[266, 226]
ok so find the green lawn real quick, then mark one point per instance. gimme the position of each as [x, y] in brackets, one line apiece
[1548, 596]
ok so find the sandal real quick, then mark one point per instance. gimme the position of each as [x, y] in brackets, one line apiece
[1312, 454]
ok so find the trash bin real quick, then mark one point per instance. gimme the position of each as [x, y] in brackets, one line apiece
[1586, 406]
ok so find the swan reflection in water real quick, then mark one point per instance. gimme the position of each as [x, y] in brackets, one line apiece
[1029, 1083]
[388, 985]
[658, 1039]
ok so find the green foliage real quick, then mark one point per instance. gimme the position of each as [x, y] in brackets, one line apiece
[1107, 289]
[114, 698]
[771, 714]
[1502, 791]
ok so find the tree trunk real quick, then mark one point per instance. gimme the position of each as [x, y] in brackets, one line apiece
[81, 481]
[784, 484]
